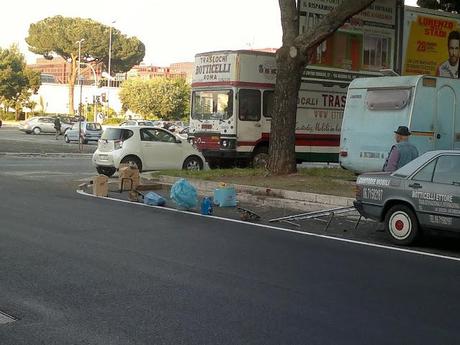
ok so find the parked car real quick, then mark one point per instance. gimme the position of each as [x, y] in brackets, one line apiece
[150, 148]
[42, 124]
[423, 194]
[90, 131]
[137, 123]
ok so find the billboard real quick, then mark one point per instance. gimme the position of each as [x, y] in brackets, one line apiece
[365, 43]
[431, 42]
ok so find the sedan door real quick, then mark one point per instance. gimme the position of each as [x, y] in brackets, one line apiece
[47, 125]
[160, 149]
[435, 190]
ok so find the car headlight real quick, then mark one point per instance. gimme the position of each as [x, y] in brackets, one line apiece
[228, 143]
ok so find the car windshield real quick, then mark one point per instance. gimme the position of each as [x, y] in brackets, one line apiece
[116, 134]
[212, 105]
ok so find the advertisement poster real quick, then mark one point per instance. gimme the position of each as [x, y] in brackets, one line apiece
[431, 42]
[365, 43]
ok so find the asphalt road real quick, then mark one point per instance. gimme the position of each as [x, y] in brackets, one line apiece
[82, 270]
[14, 141]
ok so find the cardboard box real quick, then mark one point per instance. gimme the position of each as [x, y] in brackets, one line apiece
[128, 178]
[133, 196]
[101, 185]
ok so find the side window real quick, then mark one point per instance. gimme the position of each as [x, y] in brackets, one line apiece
[249, 105]
[126, 134]
[447, 170]
[165, 136]
[426, 174]
[269, 97]
[148, 135]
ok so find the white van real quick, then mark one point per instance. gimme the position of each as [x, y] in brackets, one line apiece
[375, 107]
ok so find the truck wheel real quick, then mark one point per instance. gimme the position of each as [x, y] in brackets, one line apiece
[107, 171]
[401, 225]
[260, 157]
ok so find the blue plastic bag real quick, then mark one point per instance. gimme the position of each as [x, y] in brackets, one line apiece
[184, 194]
[225, 197]
[152, 198]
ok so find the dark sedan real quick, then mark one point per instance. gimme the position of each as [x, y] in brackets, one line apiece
[424, 194]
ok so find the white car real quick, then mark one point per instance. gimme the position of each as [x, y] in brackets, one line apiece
[150, 148]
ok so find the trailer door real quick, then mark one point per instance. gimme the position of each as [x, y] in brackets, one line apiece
[444, 133]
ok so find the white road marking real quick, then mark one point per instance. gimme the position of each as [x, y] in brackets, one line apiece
[397, 249]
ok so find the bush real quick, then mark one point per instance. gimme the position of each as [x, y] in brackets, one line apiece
[113, 121]
[8, 116]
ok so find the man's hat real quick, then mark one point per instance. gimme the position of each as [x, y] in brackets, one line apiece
[403, 130]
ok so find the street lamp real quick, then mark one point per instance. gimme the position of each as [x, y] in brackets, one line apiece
[81, 89]
[110, 61]
[95, 88]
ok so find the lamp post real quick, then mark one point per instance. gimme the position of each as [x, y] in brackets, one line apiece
[81, 88]
[108, 67]
[95, 88]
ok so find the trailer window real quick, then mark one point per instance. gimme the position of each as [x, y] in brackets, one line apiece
[212, 105]
[385, 99]
[249, 101]
[269, 97]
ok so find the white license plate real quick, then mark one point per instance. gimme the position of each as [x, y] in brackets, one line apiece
[104, 157]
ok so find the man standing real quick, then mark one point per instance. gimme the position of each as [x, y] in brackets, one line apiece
[449, 68]
[57, 126]
[402, 152]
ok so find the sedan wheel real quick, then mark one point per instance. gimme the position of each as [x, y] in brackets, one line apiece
[66, 139]
[37, 130]
[401, 224]
[193, 163]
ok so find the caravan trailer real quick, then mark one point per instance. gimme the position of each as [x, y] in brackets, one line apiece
[375, 107]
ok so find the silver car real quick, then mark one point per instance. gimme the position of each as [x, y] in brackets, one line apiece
[89, 131]
[42, 124]
[424, 194]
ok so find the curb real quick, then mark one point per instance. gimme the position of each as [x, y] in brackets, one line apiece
[268, 197]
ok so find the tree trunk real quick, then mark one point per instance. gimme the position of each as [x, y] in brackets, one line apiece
[72, 78]
[282, 141]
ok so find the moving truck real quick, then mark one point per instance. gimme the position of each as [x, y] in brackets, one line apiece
[375, 107]
[231, 107]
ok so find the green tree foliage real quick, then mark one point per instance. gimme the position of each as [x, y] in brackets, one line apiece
[58, 36]
[17, 82]
[165, 98]
[445, 5]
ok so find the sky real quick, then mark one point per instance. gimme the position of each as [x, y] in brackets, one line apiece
[172, 30]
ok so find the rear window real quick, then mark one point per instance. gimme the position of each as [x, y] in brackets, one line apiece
[387, 99]
[117, 134]
[93, 126]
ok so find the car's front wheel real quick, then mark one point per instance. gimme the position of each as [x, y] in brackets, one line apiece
[36, 130]
[107, 171]
[401, 225]
[193, 163]
[66, 139]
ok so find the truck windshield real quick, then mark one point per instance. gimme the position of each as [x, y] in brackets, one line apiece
[212, 105]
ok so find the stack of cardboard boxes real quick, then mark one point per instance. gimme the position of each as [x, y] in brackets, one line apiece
[129, 180]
